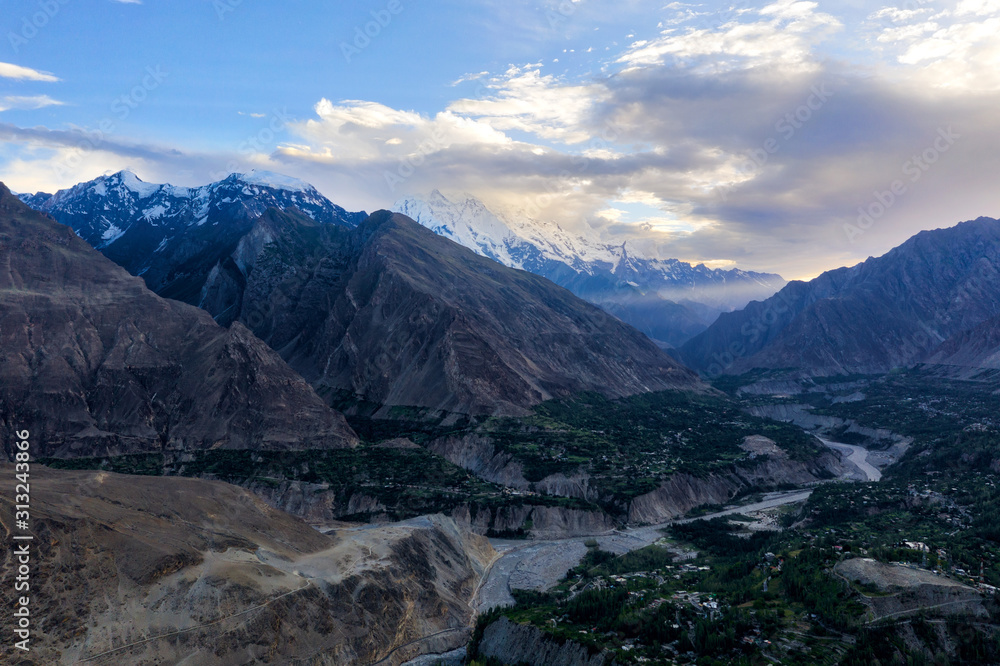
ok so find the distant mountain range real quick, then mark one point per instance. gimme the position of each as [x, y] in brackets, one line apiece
[935, 298]
[667, 299]
[329, 291]
[381, 311]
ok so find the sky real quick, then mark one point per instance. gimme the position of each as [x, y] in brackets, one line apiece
[789, 136]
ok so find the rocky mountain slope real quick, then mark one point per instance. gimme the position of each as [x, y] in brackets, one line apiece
[395, 315]
[887, 312]
[512, 643]
[977, 347]
[94, 364]
[667, 299]
[142, 570]
[173, 236]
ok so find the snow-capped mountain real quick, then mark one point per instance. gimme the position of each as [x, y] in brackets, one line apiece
[512, 241]
[668, 299]
[173, 236]
[105, 209]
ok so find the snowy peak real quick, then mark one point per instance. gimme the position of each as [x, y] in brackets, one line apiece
[102, 210]
[152, 229]
[467, 222]
[274, 181]
[132, 182]
[585, 265]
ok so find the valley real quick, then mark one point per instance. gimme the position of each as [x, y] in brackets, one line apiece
[486, 465]
[550, 333]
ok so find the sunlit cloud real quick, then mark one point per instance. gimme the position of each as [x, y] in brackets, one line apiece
[17, 72]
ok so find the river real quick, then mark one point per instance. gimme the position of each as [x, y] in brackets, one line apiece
[858, 455]
[538, 565]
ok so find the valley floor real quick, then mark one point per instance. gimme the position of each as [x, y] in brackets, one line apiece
[539, 565]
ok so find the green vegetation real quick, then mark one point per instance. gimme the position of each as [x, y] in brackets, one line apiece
[774, 594]
[728, 606]
[626, 448]
[748, 598]
[629, 446]
[405, 482]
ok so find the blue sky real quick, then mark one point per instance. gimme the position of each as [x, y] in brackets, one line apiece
[768, 135]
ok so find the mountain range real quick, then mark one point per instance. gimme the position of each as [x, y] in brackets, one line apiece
[174, 237]
[272, 253]
[382, 311]
[935, 298]
[171, 236]
[93, 363]
[667, 299]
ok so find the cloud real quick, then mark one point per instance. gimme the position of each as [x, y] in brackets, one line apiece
[750, 135]
[950, 50]
[523, 99]
[784, 33]
[11, 71]
[353, 130]
[27, 102]
[469, 77]
[128, 2]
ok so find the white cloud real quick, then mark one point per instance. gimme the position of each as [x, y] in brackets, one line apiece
[784, 34]
[28, 102]
[951, 50]
[11, 71]
[469, 77]
[354, 130]
[978, 7]
[523, 99]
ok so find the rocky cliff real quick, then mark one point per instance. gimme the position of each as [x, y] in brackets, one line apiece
[143, 570]
[317, 503]
[683, 492]
[978, 347]
[517, 644]
[94, 364]
[675, 497]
